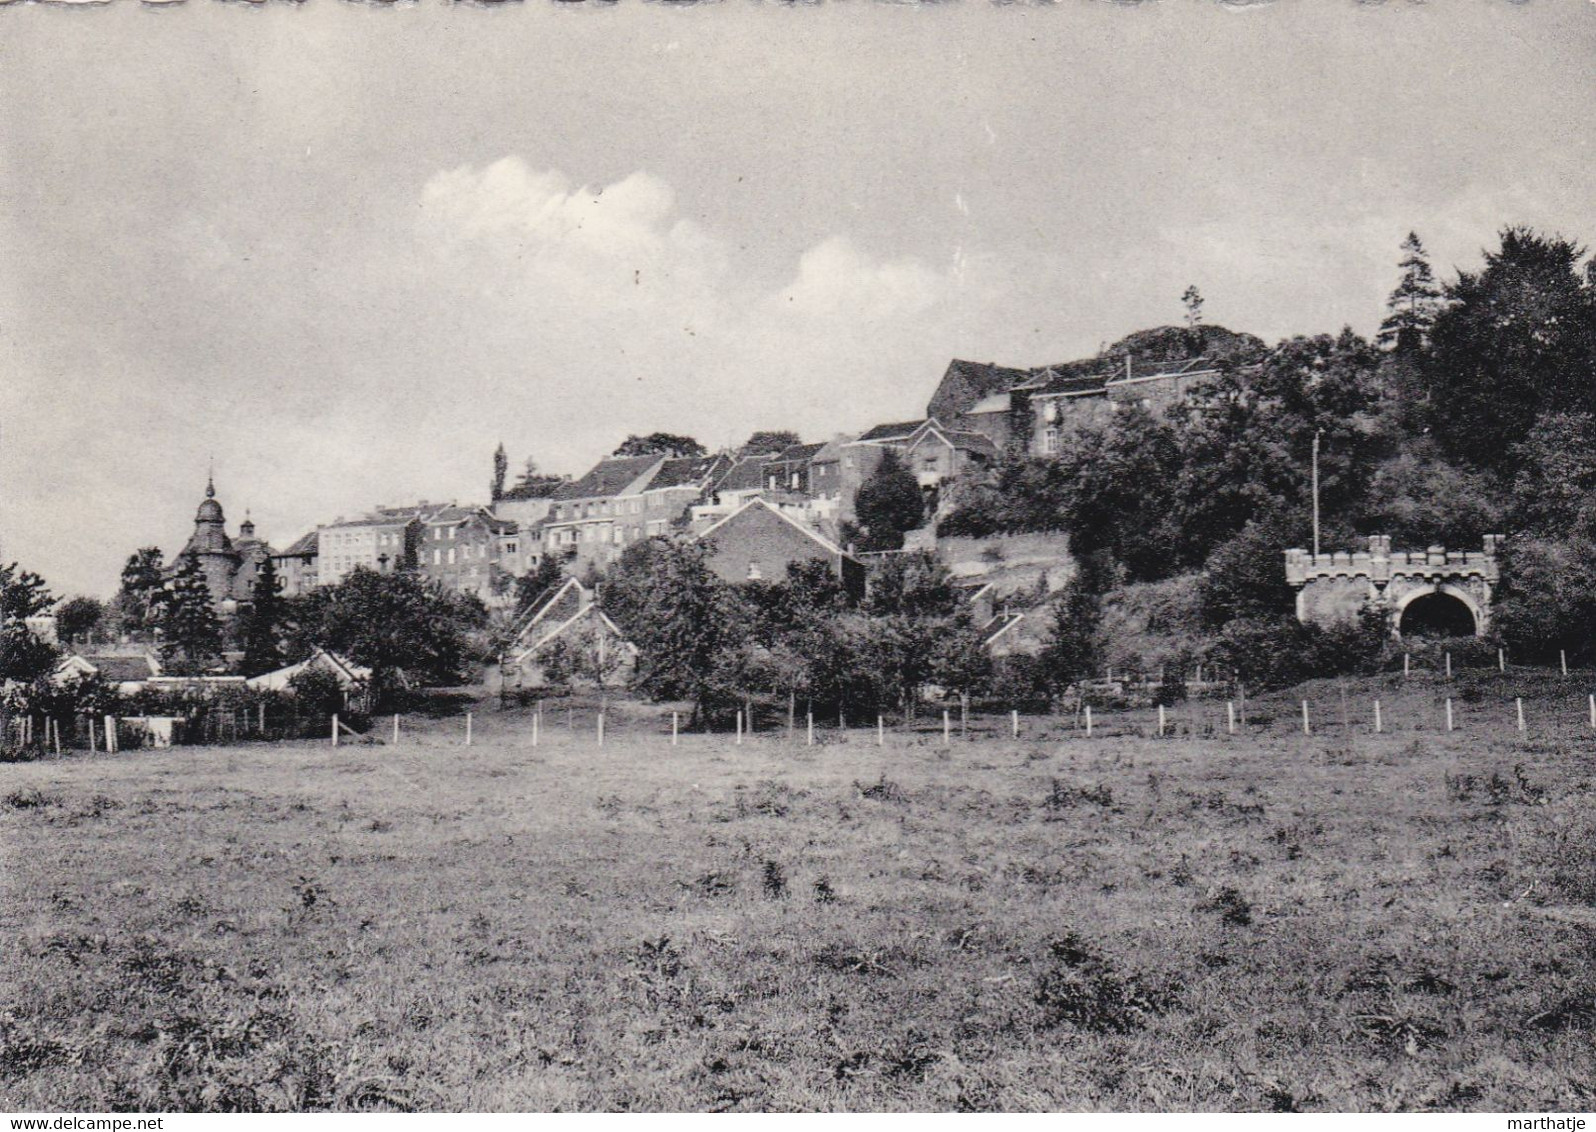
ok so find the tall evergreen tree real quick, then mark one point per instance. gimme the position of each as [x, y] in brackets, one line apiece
[263, 650]
[501, 468]
[1410, 311]
[191, 631]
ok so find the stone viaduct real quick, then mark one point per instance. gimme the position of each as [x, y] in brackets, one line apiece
[1436, 591]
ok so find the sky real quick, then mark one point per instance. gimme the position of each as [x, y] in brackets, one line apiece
[340, 252]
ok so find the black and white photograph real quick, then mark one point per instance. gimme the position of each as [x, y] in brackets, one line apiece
[843, 556]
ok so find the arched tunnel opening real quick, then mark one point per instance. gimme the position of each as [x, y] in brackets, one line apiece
[1437, 615]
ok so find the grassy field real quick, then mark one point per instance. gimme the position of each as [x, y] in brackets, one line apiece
[1265, 921]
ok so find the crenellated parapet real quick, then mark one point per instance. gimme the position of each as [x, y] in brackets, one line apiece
[1335, 586]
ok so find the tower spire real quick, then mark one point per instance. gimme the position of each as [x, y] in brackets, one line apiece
[210, 478]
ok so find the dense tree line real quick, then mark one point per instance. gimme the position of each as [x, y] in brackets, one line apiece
[1473, 412]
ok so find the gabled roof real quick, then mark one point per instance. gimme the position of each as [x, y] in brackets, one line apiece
[347, 672]
[900, 430]
[798, 453]
[1053, 382]
[996, 403]
[684, 471]
[744, 475]
[985, 377]
[611, 476]
[999, 625]
[115, 669]
[971, 441]
[567, 604]
[303, 545]
[829, 546]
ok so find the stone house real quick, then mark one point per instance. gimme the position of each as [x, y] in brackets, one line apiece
[759, 541]
[384, 544]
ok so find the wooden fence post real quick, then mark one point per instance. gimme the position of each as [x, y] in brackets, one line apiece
[739, 740]
[1160, 721]
[1449, 713]
[809, 725]
[947, 734]
[881, 731]
[1230, 716]
[395, 729]
[468, 729]
[1377, 726]
[1088, 721]
[676, 722]
[1518, 704]
[1307, 729]
[335, 730]
[601, 727]
[1014, 724]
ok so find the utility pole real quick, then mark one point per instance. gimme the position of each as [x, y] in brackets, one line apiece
[1318, 432]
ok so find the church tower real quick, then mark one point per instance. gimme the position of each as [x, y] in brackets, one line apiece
[218, 559]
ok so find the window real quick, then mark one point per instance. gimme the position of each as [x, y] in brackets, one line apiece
[509, 548]
[451, 556]
[451, 534]
[437, 557]
[795, 481]
[1050, 440]
[754, 573]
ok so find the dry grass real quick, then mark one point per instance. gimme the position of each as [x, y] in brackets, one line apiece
[1269, 922]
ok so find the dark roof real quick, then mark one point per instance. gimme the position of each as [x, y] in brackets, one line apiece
[542, 487]
[121, 669]
[380, 520]
[891, 431]
[744, 474]
[1052, 381]
[607, 477]
[304, 544]
[797, 453]
[974, 441]
[986, 377]
[683, 471]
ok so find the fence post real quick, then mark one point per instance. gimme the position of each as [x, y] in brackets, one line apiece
[335, 730]
[1518, 704]
[395, 729]
[1501, 660]
[112, 746]
[947, 736]
[1593, 712]
[468, 729]
[1014, 724]
[676, 721]
[1562, 660]
[1230, 716]
[1377, 726]
[601, 727]
[1406, 661]
[881, 731]
[92, 746]
[809, 724]
[1307, 729]
[1449, 665]
[1160, 721]
[739, 740]
[535, 718]
[1449, 713]
[1088, 721]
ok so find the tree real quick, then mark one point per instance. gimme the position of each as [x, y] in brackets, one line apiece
[1410, 311]
[501, 468]
[143, 586]
[532, 588]
[1517, 340]
[262, 623]
[1070, 653]
[24, 656]
[771, 440]
[390, 622]
[76, 617]
[1192, 300]
[888, 504]
[191, 633]
[1547, 598]
[687, 623]
[1554, 485]
[660, 444]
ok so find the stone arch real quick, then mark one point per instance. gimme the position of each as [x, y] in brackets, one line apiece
[1450, 609]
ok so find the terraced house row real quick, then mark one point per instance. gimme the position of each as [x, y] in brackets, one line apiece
[977, 412]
